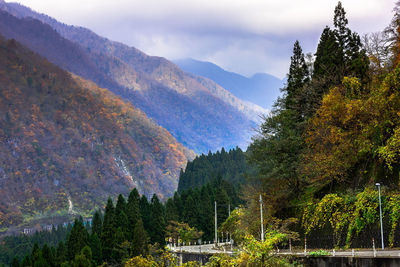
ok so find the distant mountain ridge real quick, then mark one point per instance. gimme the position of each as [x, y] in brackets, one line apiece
[198, 112]
[261, 89]
[66, 145]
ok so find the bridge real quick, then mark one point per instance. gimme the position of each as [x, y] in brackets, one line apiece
[352, 257]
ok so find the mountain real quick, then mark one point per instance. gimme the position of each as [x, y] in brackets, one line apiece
[66, 145]
[261, 89]
[198, 112]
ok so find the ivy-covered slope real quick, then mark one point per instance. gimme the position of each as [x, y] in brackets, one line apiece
[66, 145]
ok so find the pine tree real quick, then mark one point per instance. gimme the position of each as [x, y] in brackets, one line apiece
[15, 262]
[222, 205]
[329, 63]
[140, 240]
[157, 221]
[61, 253]
[145, 213]
[356, 62]
[77, 239]
[133, 211]
[108, 232]
[190, 210]
[96, 224]
[121, 217]
[340, 22]
[95, 246]
[298, 76]
[48, 255]
[26, 261]
[84, 258]
[171, 212]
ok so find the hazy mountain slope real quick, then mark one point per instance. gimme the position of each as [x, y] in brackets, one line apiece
[62, 138]
[199, 113]
[261, 89]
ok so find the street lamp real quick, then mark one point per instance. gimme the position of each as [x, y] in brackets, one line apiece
[215, 230]
[261, 216]
[380, 212]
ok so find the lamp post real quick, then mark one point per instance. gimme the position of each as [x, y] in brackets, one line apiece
[215, 230]
[262, 223]
[380, 212]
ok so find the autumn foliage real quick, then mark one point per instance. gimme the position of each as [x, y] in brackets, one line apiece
[62, 137]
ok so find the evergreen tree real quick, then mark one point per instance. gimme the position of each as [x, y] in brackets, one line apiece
[171, 212]
[298, 76]
[157, 221]
[145, 213]
[121, 217]
[61, 253]
[48, 255]
[140, 240]
[340, 22]
[133, 211]
[190, 210]
[15, 262]
[77, 239]
[206, 216]
[84, 258]
[108, 232]
[222, 205]
[95, 246]
[329, 63]
[96, 224]
[355, 61]
[26, 261]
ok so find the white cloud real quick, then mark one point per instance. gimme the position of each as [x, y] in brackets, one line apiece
[246, 36]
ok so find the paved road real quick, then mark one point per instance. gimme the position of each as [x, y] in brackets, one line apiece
[211, 249]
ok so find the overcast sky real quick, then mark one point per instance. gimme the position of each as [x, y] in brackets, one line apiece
[244, 36]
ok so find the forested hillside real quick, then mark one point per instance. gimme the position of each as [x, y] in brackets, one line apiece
[231, 166]
[196, 111]
[66, 145]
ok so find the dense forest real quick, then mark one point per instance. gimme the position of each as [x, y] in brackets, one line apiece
[232, 166]
[133, 227]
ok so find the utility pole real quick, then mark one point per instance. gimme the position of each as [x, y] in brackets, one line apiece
[380, 212]
[216, 235]
[262, 223]
[229, 214]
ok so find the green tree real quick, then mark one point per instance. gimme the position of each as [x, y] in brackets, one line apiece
[15, 262]
[157, 221]
[61, 253]
[108, 232]
[84, 258]
[96, 223]
[222, 205]
[77, 239]
[132, 210]
[145, 213]
[48, 255]
[298, 76]
[95, 246]
[140, 240]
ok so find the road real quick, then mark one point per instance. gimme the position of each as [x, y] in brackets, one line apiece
[353, 253]
[211, 249]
